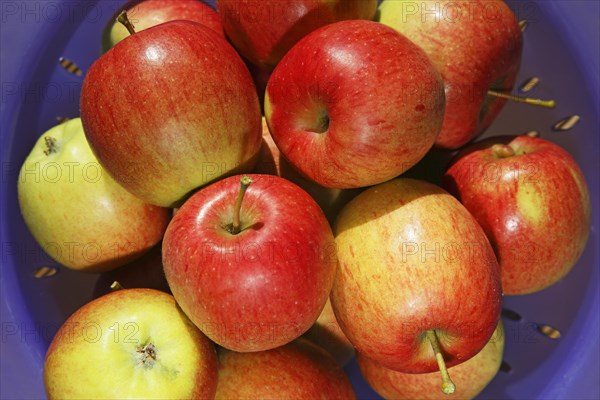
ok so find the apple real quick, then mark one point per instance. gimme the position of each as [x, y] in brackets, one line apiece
[327, 334]
[251, 266]
[145, 272]
[264, 31]
[147, 13]
[133, 343]
[532, 201]
[170, 109]
[471, 377]
[76, 212]
[416, 271]
[270, 161]
[298, 370]
[354, 104]
[476, 46]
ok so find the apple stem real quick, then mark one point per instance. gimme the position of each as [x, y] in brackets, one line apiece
[448, 386]
[244, 183]
[116, 286]
[503, 150]
[526, 100]
[124, 20]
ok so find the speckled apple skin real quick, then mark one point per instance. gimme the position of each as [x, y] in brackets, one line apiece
[470, 377]
[534, 207]
[383, 99]
[412, 259]
[170, 109]
[93, 355]
[263, 287]
[76, 212]
[476, 45]
[147, 13]
[297, 371]
[264, 31]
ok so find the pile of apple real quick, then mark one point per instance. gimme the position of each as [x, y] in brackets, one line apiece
[273, 219]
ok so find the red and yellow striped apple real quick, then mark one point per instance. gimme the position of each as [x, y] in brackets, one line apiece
[532, 201]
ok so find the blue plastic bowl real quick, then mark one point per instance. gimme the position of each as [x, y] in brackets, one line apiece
[561, 47]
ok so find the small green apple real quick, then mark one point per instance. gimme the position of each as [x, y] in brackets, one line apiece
[132, 343]
[78, 214]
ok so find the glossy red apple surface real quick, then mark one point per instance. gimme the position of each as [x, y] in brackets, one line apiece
[476, 46]
[170, 109]
[270, 161]
[354, 104]
[412, 260]
[147, 13]
[531, 198]
[264, 31]
[470, 377]
[259, 288]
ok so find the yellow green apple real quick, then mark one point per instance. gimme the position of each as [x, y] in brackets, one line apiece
[77, 213]
[132, 343]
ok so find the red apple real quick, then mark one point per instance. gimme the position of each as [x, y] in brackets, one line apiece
[327, 334]
[476, 45]
[263, 31]
[270, 161]
[354, 104]
[170, 109]
[414, 266]
[147, 13]
[532, 201]
[471, 377]
[258, 286]
[133, 343]
[299, 370]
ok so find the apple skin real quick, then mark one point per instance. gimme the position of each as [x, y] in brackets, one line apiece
[354, 104]
[299, 370]
[147, 13]
[76, 212]
[534, 207]
[145, 272]
[264, 31]
[94, 355]
[412, 259]
[476, 46]
[470, 377]
[327, 334]
[271, 162]
[159, 126]
[263, 287]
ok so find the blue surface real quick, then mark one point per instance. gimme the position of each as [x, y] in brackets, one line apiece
[562, 46]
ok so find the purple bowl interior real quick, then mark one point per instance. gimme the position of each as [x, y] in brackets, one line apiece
[35, 90]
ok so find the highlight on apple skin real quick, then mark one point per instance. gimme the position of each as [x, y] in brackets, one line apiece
[131, 343]
[264, 31]
[76, 212]
[354, 104]
[147, 13]
[160, 127]
[531, 199]
[470, 377]
[414, 263]
[258, 286]
[475, 45]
